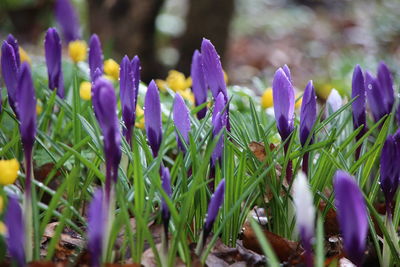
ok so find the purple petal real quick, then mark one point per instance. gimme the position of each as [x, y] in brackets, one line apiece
[352, 216]
[181, 121]
[283, 96]
[52, 45]
[135, 65]
[286, 69]
[152, 117]
[95, 56]
[308, 112]
[213, 69]
[375, 97]
[26, 106]
[166, 185]
[16, 230]
[9, 70]
[127, 95]
[68, 20]
[390, 169]
[385, 81]
[199, 85]
[215, 204]
[358, 106]
[219, 121]
[14, 43]
[96, 225]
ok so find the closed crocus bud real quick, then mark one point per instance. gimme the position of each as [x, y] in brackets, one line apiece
[95, 57]
[283, 95]
[375, 96]
[166, 185]
[152, 117]
[219, 121]
[352, 216]
[52, 45]
[199, 86]
[10, 70]
[215, 204]
[105, 108]
[181, 121]
[305, 213]
[127, 95]
[96, 227]
[15, 231]
[334, 102]
[358, 106]
[14, 43]
[68, 20]
[308, 113]
[386, 84]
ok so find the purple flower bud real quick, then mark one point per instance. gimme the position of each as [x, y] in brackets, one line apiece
[152, 117]
[96, 225]
[95, 56]
[68, 20]
[390, 169]
[214, 206]
[14, 43]
[105, 108]
[52, 45]
[219, 121]
[358, 106]
[375, 96]
[135, 64]
[166, 185]
[10, 70]
[286, 69]
[15, 231]
[352, 216]
[283, 96]
[385, 81]
[308, 113]
[127, 95]
[199, 86]
[181, 121]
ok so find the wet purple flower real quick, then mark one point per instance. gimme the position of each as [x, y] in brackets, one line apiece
[15, 231]
[52, 45]
[385, 81]
[219, 121]
[105, 108]
[166, 185]
[215, 204]
[14, 43]
[308, 113]
[358, 106]
[68, 20]
[283, 96]
[181, 121]
[10, 70]
[96, 227]
[152, 117]
[352, 215]
[376, 97]
[390, 169]
[199, 86]
[95, 56]
[135, 64]
[127, 95]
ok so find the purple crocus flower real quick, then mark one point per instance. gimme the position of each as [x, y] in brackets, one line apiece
[105, 108]
[219, 120]
[152, 117]
[52, 45]
[390, 169]
[10, 70]
[181, 121]
[376, 97]
[135, 64]
[358, 106]
[215, 204]
[95, 56]
[26, 107]
[15, 231]
[14, 43]
[96, 227]
[352, 215]
[166, 185]
[199, 86]
[385, 81]
[68, 20]
[127, 95]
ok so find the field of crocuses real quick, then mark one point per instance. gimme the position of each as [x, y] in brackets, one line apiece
[97, 167]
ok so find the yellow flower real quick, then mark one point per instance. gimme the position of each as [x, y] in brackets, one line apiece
[85, 90]
[162, 85]
[1, 204]
[39, 109]
[177, 81]
[188, 95]
[225, 77]
[24, 56]
[267, 100]
[111, 68]
[77, 50]
[3, 228]
[139, 117]
[298, 102]
[9, 171]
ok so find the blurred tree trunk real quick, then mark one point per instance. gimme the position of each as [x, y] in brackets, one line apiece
[129, 25]
[209, 19]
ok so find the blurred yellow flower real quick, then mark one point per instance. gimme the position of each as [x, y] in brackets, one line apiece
[39, 109]
[162, 85]
[1, 204]
[298, 102]
[9, 171]
[225, 77]
[267, 100]
[77, 50]
[3, 228]
[188, 95]
[139, 117]
[85, 90]
[111, 68]
[177, 81]
[24, 57]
